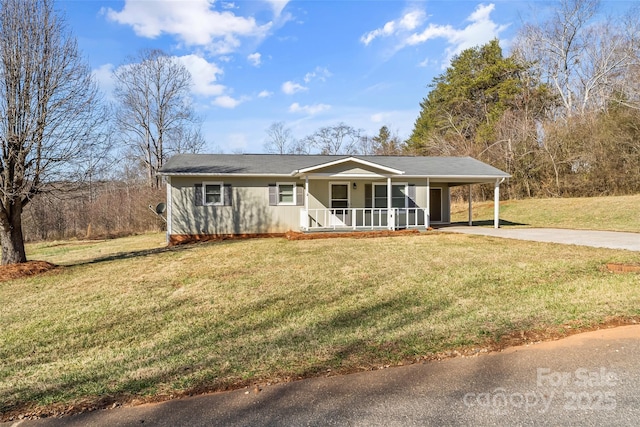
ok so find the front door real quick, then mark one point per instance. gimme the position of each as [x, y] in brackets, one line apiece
[435, 207]
[339, 194]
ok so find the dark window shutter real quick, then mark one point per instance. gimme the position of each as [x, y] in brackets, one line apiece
[197, 195]
[299, 195]
[368, 198]
[228, 195]
[412, 196]
[273, 195]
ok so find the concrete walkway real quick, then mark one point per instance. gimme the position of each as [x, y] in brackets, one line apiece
[590, 379]
[597, 239]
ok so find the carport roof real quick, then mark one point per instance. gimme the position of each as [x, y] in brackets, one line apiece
[295, 165]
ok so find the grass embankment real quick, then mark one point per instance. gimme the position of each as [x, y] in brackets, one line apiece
[151, 322]
[615, 213]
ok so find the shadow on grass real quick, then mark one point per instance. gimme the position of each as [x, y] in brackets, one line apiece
[484, 223]
[142, 253]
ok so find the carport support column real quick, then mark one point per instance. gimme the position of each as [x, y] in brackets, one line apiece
[390, 219]
[496, 204]
[427, 215]
[470, 208]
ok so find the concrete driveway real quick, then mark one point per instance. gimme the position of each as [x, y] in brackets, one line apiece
[590, 379]
[596, 239]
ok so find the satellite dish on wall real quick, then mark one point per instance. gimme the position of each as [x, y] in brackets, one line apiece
[160, 208]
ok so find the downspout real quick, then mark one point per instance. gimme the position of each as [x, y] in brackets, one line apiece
[169, 210]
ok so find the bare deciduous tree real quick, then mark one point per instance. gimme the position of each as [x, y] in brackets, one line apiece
[584, 58]
[279, 139]
[47, 111]
[337, 139]
[154, 113]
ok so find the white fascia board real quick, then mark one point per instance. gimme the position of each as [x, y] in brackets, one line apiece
[488, 178]
[347, 176]
[348, 159]
[236, 175]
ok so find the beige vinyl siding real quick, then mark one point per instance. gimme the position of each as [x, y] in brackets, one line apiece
[249, 213]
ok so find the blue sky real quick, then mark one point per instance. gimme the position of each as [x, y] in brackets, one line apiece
[306, 63]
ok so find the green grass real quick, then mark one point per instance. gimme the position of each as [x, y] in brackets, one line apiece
[125, 319]
[616, 213]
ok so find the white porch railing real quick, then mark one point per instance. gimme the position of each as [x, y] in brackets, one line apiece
[362, 219]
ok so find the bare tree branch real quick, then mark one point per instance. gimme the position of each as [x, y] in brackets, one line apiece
[154, 113]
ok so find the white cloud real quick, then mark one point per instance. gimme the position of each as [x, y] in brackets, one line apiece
[255, 59]
[277, 6]
[480, 30]
[308, 109]
[194, 23]
[407, 22]
[378, 117]
[290, 87]
[265, 94]
[226, 101]
[405, 31]
[320, 73]
[204, 75]
[103, 76]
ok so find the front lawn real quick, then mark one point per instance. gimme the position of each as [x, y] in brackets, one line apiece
[615, 213]
[112, 327]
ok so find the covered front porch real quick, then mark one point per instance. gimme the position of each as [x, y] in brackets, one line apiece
[356, 195]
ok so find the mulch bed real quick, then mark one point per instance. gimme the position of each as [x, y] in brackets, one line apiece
[295, 235]
[25, 269]
[181, 239]
[623, 268]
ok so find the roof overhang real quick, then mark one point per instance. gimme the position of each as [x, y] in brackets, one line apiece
[240, 175]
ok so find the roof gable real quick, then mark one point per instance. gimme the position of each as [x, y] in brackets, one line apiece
[348, 167]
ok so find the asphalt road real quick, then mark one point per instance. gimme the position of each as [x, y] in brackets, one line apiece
[596, 239]
[590, 379]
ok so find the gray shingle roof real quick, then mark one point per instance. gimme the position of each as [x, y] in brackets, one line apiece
[285, 165]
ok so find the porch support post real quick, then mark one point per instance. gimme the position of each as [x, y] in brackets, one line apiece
[470, 208]
[306, 193]
[427, 215]
[390, 219]
[496, 204]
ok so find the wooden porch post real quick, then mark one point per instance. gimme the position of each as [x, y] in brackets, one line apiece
[496, 204]
[470, 208]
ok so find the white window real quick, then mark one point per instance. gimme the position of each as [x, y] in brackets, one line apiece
[213, 193]
[399, 196]
[286, 193]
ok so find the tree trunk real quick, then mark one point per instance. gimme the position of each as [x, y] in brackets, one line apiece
[12, 241]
